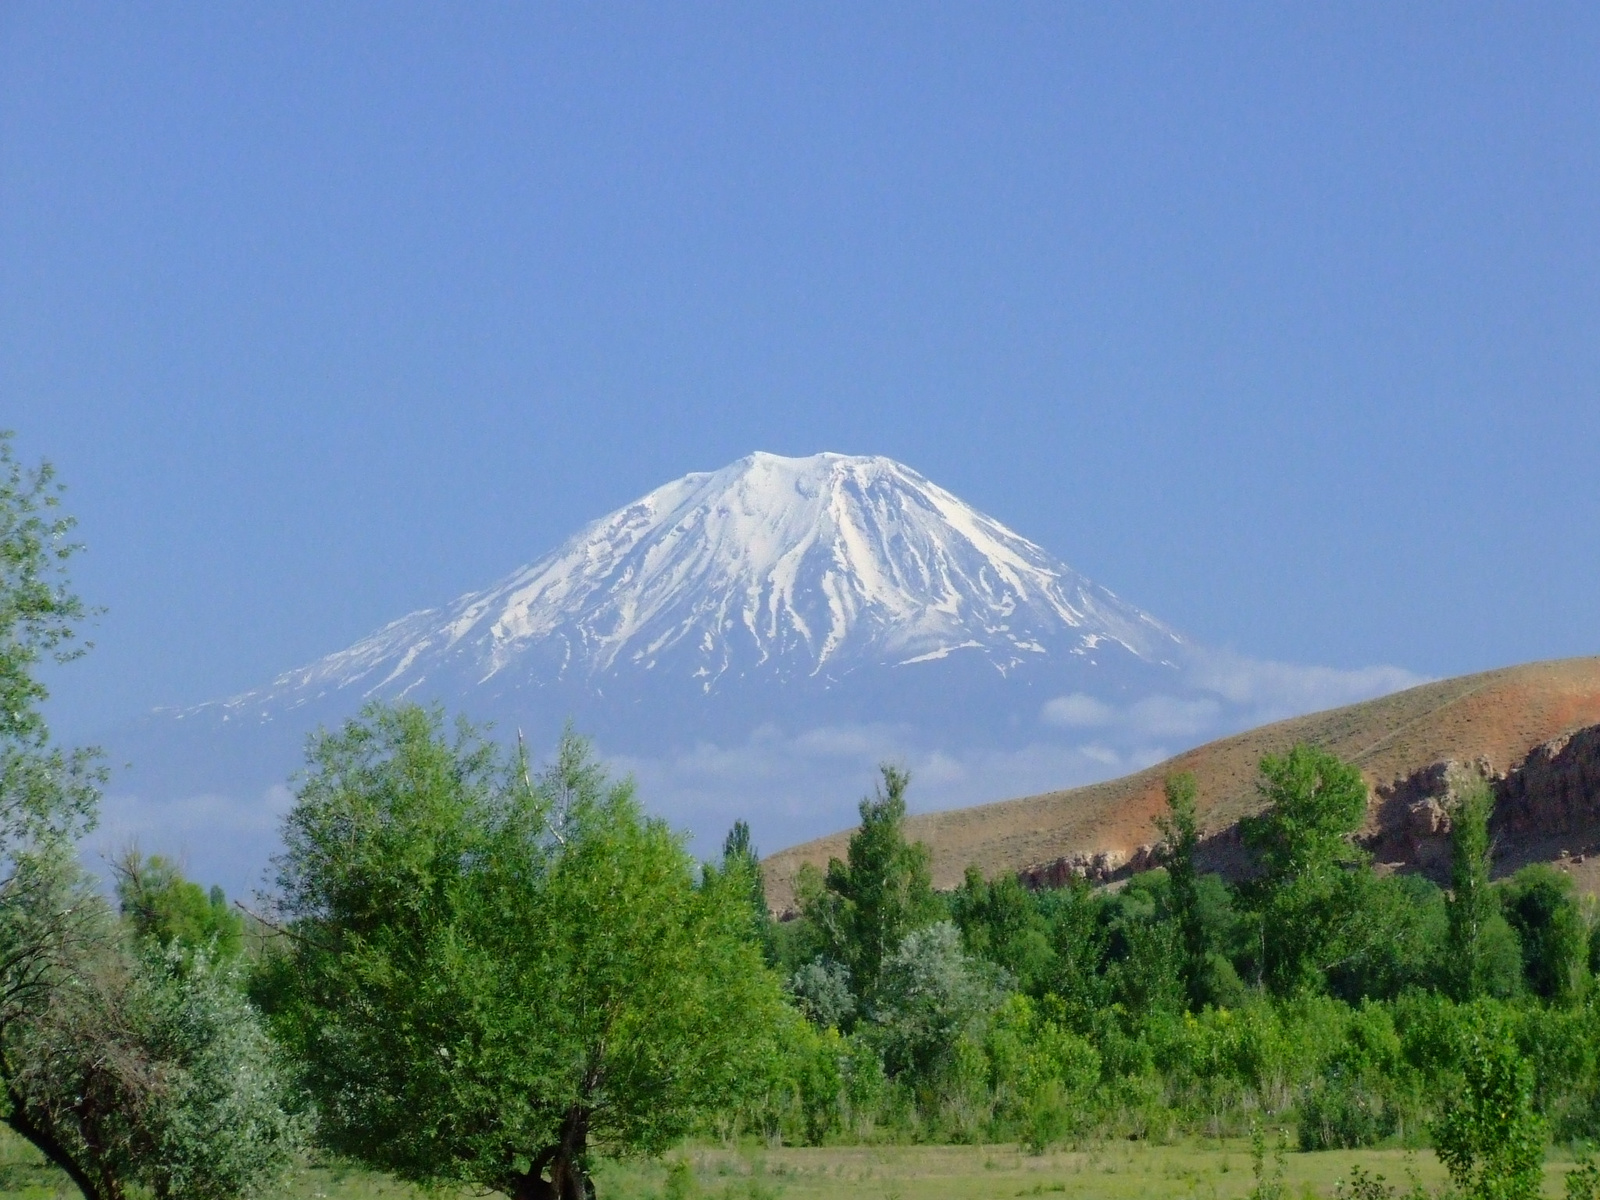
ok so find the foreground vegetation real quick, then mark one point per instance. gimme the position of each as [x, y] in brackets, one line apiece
[474, 978]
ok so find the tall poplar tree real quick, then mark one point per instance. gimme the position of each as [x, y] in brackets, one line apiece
[1472, 907]
[1181, 830]
[880, 892]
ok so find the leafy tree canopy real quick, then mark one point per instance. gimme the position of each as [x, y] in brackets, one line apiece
[1483, 958]
[1314, 802]
[159, 903]
[486, 976]
[1540, 906]
[124, 1069]
[1489, 1137]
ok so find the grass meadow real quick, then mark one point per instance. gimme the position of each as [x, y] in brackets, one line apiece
[1108, 1170]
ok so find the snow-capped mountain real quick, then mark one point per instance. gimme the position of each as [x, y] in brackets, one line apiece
[749, 642]
[776, 568]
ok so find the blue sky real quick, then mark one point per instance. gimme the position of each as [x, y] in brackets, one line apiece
[1282, 321]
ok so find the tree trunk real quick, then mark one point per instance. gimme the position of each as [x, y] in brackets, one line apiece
[566, 1160]
[47, 1145]
[568, 1175]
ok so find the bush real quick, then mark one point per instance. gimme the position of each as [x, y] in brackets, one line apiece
[1042, 1075]
[1362, 1186]
[821, 990]
[1344, 1113]
[821, 1085]
[930, 997]
[1583, 1181]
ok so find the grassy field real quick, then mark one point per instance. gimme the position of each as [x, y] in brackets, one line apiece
[1107, 1171]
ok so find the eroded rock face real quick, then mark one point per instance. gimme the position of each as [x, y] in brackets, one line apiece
[1554, 792]
[1098, 866]
[1546, 809]
[1408, 820]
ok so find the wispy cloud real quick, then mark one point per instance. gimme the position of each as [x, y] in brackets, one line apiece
[799, 786]
[219, 838]
[1225, 693]
[1151, 717]
[793, 784]
[1274, 690]
[1078, 711]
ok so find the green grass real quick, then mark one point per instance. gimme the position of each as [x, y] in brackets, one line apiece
[1112, 1170]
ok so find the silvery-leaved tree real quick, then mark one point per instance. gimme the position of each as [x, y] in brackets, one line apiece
[47, 794]
[123, 1064]
[488, 977]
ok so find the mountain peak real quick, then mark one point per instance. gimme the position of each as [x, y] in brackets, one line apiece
[793, 568]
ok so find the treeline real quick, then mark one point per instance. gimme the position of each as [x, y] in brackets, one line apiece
[472, 974]
[1316, 994]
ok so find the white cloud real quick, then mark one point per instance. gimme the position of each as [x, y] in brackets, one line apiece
[1078, 711]
[800, 786]
[1104, 755]
[792, 785]
[1274, 690]
[1172, 716]
[1152, 717]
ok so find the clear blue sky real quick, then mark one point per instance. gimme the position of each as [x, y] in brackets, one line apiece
[1282, 321]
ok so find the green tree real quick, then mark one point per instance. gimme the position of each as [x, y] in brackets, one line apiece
[121, 1071]
[1043, 1076]
[1180, 830]
[821, 991]
[1313, 803]
[741, 860]
[1488, 1136]
[1000, 922]
[1539, 905]
[1078, 939]
[932, 999]
[881, 892]
[159, 903]
[1313, 895]
[48, 795]
[151, 1068]
[1144, 958]
[1481, 956]
[486, 978]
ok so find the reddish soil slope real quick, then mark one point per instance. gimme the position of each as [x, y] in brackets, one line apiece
[1496, 719]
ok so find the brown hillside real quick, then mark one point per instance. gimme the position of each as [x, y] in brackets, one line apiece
[1498, 716]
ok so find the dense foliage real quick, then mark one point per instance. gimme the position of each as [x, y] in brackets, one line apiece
[1358, 1006]
[487, 977]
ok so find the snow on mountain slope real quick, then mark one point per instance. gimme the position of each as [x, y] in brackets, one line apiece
[772, 567]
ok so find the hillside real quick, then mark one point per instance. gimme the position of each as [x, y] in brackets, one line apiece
[1497, 718]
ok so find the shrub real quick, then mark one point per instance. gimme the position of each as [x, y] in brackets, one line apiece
[1362, 1186]
[1344, 1113]
[821, 990]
